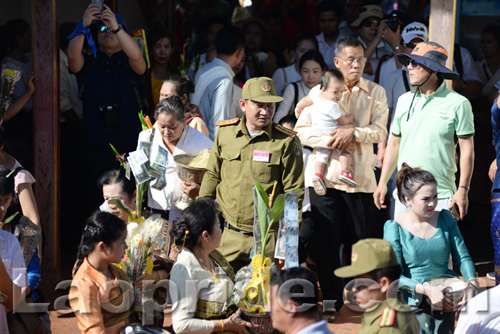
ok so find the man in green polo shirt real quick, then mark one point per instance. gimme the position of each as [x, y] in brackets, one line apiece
[425, 127]
[375, 267]
[246, 150]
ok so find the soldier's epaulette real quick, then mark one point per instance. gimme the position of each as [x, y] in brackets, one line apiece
[284, 130]
[228, 122]
[387, 317]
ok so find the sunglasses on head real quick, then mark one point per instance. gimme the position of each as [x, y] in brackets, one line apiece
[369, 23]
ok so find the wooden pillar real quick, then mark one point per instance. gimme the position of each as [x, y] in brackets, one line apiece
[442, 26]
[45, 27]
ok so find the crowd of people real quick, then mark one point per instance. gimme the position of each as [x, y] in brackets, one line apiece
[351, 105]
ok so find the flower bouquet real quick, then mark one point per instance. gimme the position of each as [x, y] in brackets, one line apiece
[251, 288]
[10, 76]
[145, 235]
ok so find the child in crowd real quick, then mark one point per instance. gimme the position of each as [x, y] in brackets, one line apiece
[327, 117]
[100, 302]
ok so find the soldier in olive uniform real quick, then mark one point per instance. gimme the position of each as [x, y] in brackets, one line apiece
[245, 150]
[375, 267]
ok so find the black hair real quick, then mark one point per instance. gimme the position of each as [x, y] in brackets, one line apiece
[330, 6]
[410, 180]
[228, 40]
[288, 119]
[118, 176]
[172, 105]
[304, 277]
[155, 34]
[303, 36]
[6, 182]
[10, 31]
[101, 226]
[200, 216]
[313, 55]
[392, 273]
[350, 41]
[493, 29]
[65, 29]
[328, 75]
[183, 84]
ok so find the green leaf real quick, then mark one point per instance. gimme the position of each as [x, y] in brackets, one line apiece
[262, 212]
[143, 123]
[9, 219]
[118, 202]
[262, 193]
[278, 209]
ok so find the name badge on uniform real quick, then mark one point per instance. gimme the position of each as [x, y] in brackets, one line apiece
[262, 156]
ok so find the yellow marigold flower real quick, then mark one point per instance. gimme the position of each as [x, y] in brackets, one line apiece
[259, 309]
[252, 290]
[257, 261]
[262, 264]
[266, 279]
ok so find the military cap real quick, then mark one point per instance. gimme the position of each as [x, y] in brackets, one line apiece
[260, 89]
[368, 255]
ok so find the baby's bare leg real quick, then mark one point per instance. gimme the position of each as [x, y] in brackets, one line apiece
[319, 168]
[345, 161]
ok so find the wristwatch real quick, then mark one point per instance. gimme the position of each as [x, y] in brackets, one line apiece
[117, 29]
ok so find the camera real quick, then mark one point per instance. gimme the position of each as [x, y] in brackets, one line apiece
[110, 117]
[393, 23]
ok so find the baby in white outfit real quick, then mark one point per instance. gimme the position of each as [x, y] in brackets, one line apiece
[326, 118]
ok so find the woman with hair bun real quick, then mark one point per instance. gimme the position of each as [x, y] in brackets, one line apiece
[423, 240]
[197, 233]
[183, 87]
[98, 295]
[171, 134]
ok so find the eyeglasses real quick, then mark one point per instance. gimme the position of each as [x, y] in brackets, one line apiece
[414, 63]
[369, 23]
[351, 61]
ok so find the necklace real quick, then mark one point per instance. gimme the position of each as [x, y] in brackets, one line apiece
[211, 271]
[425, 232]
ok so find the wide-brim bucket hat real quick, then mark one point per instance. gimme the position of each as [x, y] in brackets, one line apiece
[431, 55]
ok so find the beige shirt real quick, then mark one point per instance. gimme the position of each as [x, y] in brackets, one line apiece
[368, 104]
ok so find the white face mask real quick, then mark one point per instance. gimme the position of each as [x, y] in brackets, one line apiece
[104, 207]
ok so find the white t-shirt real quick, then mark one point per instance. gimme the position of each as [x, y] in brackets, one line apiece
[482, 314]
[284, 76]
[325, 115]
[12, 258]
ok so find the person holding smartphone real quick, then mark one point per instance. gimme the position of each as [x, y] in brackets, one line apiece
[110, 85]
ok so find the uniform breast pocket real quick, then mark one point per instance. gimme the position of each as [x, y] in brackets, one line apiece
[231, 164]
[266, 172]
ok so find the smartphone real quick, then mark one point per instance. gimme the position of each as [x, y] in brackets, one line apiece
[100, 3]
[455, 212]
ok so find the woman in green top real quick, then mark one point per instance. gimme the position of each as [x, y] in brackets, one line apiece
[423, 240]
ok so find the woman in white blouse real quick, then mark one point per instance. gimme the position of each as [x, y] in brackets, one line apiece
[311, 66]
[171, 133]
[201, 281]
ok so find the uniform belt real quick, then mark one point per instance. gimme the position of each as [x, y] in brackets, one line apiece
[231, 227]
